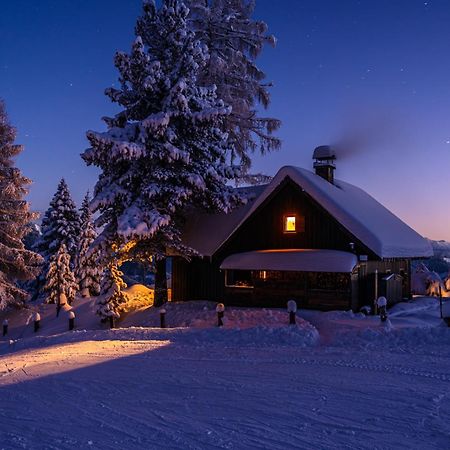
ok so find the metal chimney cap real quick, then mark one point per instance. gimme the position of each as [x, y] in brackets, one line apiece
[324, 152]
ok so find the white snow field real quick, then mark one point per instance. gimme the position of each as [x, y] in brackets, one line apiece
[338, 380]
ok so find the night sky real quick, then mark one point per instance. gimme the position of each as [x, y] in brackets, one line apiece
[373, 76]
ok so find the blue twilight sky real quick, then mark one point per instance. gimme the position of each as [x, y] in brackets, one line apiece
[373, 75]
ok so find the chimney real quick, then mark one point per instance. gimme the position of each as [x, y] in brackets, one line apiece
[324, 157]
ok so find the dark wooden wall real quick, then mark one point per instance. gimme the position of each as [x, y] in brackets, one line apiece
[199, 279]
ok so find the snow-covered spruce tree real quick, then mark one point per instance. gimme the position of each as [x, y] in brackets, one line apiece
[60, 285]
[112, 298]
[60, 225]
[235, 40]
[16, 262]
[87, 269]
[165, 151]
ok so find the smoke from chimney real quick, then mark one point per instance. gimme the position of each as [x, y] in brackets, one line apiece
[370, 129]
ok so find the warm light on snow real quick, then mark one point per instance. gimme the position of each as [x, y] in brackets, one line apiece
[56, 359]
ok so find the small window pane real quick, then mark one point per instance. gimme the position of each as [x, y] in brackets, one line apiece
[290, 224]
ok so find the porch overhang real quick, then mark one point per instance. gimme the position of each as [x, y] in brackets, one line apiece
[294, 260]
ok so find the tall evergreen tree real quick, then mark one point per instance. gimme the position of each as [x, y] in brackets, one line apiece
[112, 298]
[16, 263]
[235, 40]
[60, 225]
[165, 150]
[87, 268]
[61, 285]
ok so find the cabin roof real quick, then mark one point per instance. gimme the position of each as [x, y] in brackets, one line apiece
[206, 232]
[364, 217]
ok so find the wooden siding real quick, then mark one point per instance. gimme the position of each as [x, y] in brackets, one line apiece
[198, 279]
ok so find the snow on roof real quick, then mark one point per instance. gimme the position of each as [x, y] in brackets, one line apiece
[324, 152]
[369, 221]
[206, 232]
[301, 260]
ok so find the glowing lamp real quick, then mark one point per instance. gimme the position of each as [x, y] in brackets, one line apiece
[290, 224]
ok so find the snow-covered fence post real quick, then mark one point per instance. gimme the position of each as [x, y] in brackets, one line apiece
[5, 327]
[37, 321]
[71, 320]
[292, 310]
[382, 304]
[162, 318]
[220, 310]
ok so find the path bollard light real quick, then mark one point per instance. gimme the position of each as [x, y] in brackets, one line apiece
[162, 317]
[71, 320]
[292, 310]
[220, 310]
[5, 327]
[37, 321]
[382, 305]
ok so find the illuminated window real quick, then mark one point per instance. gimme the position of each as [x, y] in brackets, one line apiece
[239, 279]
[290, 225]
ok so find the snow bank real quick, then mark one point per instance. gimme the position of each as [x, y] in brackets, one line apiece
[202, 314]
[246, 326]
[412, 327]
[189, 323]
[139, 296]
[416, 340]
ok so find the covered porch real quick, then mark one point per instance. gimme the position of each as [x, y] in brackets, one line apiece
[314, 278]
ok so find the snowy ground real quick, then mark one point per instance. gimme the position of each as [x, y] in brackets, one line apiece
[337, 380]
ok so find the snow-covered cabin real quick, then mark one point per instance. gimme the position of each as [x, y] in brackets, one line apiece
[304, 236]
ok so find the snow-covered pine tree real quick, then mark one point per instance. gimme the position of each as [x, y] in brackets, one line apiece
[165, 151]
[87, 268]
[61, 285]
[112, 298]
[16, 262]
[60, 225]
[235, 40]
